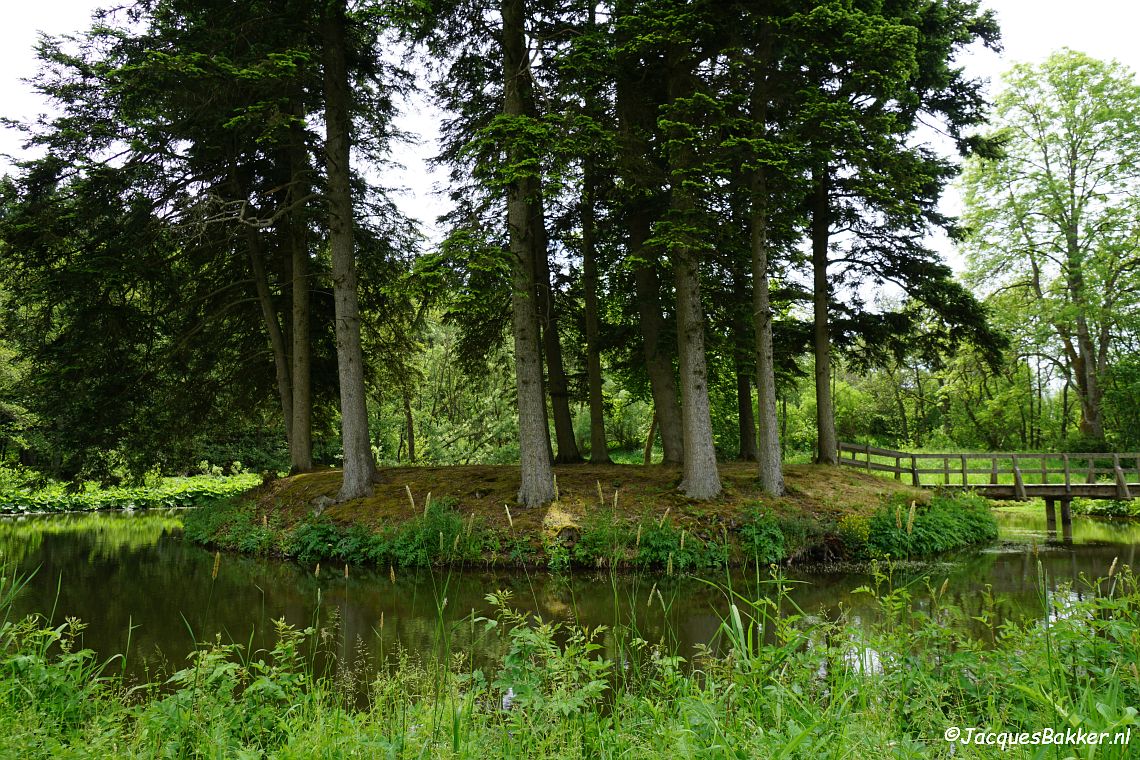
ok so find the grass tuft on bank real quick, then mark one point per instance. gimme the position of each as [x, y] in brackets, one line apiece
[604, 516]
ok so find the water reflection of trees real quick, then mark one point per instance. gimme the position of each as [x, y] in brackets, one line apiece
[106, 534]
[134, 571]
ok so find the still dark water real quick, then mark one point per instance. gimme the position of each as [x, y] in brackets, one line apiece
[141, 589]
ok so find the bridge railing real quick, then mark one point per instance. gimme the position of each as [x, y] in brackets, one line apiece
[1011, 469]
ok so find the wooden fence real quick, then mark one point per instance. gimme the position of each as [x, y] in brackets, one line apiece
[1017, 475]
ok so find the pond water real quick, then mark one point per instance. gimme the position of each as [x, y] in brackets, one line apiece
[137, 585]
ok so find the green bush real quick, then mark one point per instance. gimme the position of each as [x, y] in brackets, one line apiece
[1107, 507]
[439, 535]
[604, 539]
[761, 538]
[663, 546]
[854, 532]
[948, 522]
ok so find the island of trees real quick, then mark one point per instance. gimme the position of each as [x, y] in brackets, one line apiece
[678, 231]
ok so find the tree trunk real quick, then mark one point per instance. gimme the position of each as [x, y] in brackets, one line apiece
[647, 457]
[273, 327]
[746, 420]
[742, 366]
[657, 364]
[599, 448]
[409, 425]
[826, 440]
[900, 402]
[551, 343]
[1091, 425]
[636, 118]
[537, 473]
[768, 446]
[359, 467]
[301, 444]
[700, 479]
[920, 408]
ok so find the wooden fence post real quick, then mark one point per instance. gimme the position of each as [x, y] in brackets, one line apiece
[1018, 483]
[1122, 491]
[914, 472]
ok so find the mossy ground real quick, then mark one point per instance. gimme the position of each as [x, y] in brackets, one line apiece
[632, 492]
[626, 498]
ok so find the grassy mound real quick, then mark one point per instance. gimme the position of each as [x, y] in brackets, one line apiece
[609, 515]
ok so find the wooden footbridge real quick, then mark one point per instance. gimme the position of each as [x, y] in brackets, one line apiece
[1011, 476]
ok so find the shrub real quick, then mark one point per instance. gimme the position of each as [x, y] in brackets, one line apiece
[761, 538]
[948, 522]
[603, 538]
[1106, 507]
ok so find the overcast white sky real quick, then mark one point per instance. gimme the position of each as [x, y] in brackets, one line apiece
[1031, 29]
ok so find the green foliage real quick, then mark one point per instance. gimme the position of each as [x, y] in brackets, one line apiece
[23, 494]
[439, 535]
[900, 530]
[663, 546]
[1106, 507]
[761, 538]
[855, 532]
[907, 673]
[604, 539]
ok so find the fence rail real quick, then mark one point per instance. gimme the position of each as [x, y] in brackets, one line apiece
[1016, 475]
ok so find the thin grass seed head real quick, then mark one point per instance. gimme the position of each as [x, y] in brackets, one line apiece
[661, 599]
[510, 520]
[910, 519]
[684, 532]
[317, 571]
[217, 564]
[637, 543]
[346, 571]
[669, 566]
[455, 543]
[1112, 567]
[898, 517]
[427, 503]
[661, 522]
[945, 586]
[652, 590]
[616, 491]
[411, 499]
[392, 574]
[601, 496]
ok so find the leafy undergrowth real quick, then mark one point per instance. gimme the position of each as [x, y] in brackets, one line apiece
[632, 518]
[767, 686]
[24, 498]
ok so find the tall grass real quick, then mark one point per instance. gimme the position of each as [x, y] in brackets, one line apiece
[773, 683]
